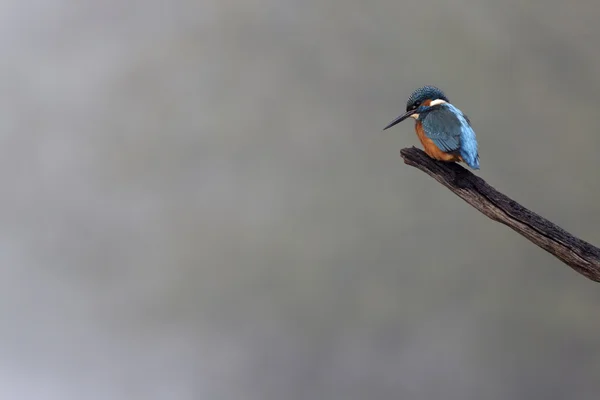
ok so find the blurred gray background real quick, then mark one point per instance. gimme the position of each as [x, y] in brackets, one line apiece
[198, 201]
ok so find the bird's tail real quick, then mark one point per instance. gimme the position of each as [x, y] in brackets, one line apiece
[469, 159]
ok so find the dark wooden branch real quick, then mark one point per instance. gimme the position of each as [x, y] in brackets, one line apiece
[576, 253]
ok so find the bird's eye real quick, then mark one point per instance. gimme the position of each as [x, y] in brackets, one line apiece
[417, 104]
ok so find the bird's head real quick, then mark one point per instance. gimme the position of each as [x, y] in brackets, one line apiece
[419, 101]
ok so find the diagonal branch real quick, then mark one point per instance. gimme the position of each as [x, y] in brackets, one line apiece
[576, 253]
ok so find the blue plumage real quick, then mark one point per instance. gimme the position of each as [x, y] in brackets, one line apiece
[450, 130]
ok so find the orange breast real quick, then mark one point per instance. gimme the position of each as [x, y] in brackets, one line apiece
[431, 149]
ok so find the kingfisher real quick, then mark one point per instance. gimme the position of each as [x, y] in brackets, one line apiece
[443, 129]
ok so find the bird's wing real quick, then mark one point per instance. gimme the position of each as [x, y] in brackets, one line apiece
[444, 127]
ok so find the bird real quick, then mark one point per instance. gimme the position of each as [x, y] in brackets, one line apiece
[443, 130]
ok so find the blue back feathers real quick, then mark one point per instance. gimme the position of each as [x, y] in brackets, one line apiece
[468, 140]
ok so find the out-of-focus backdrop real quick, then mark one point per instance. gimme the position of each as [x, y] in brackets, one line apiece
[198, 201]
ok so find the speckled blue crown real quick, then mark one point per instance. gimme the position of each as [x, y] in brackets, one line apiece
[424, 93]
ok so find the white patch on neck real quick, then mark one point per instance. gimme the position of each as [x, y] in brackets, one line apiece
[436, 102]
[415, 116]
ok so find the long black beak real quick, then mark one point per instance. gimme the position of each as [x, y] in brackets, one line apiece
[400, 119]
